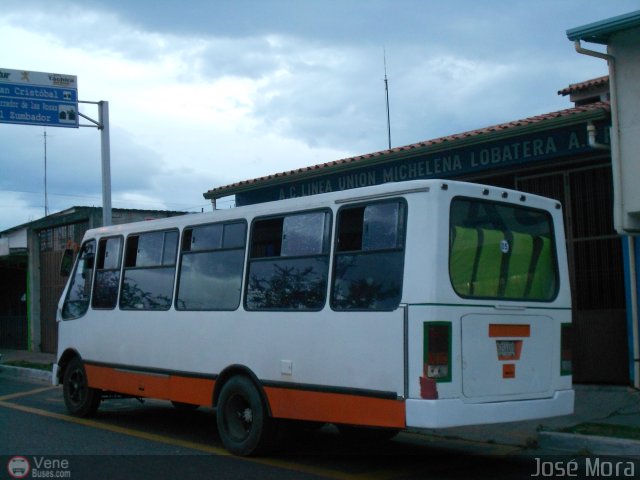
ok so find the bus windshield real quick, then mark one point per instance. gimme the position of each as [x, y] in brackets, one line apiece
[501, 251]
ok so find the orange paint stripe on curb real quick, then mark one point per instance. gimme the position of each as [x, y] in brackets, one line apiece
[11, 396]
[506, 330]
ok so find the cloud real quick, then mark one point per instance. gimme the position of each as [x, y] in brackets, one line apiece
[209, 93]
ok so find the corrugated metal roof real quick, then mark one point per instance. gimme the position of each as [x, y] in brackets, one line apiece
[480, 134]
[86, 210]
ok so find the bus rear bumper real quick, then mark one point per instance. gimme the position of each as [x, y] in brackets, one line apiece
[445, 413]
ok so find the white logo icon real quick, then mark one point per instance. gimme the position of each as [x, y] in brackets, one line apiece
[18, 467]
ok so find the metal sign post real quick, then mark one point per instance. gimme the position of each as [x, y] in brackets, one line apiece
[105, 153]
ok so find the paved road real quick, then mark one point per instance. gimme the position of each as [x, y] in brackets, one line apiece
[128, 439]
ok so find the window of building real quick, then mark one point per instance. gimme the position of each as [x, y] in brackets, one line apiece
[211, 265]
[76, 302]
[149, 270]
[105, 292]
[289, 262]
[369, 259]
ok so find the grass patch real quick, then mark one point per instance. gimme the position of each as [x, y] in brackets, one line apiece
[605, 430]
[25, 364]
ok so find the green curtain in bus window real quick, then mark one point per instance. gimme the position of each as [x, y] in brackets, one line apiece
[462, 258]
[543, 278]
[521, 251]
[487, 279]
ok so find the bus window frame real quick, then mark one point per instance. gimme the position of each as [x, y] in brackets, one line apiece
[155, 267]
[119, 269]
[70, 282]
[181, 252]
[401, 201]
[327, 249]
[553, 239]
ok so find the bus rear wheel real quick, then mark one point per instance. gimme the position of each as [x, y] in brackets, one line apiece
[80, 399]
[244, 424]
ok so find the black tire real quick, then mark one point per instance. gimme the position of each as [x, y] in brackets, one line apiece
[80, 399]
[244, 424]
[184, 407]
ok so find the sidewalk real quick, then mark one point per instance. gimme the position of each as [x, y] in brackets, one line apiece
[611, 412]
[21, 363]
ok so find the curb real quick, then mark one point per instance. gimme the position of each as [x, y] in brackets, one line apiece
[596, 445]
[20, 372]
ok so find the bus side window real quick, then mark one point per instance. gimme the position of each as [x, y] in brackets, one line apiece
[105, 290]
[369, 260]
[289, 262]
[149, 270]
[76, 302]
[211, 264]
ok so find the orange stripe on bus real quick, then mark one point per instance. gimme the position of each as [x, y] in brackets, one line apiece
[335, 407]
[284, 402]
[198, 391]
[506, 330]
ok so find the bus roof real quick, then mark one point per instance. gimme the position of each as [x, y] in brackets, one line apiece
[326, 199]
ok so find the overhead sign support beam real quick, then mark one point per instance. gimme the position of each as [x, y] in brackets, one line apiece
[105, 154]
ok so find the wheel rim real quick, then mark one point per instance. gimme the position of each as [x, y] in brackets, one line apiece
[77, 387]
[238, 416]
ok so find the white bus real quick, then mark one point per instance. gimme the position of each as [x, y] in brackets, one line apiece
[422, 304]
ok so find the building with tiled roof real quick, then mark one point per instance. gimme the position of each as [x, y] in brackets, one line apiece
[550, 154]
[595, 90]
[595, 111]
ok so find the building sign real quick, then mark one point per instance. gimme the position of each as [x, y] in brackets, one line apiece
[455, 162]
[38, 98]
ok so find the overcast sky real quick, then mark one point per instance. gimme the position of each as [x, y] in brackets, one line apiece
[203, 93]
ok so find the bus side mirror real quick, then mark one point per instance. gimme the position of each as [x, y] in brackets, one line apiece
[66, 264]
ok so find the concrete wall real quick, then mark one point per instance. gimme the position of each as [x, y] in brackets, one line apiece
[625, 73]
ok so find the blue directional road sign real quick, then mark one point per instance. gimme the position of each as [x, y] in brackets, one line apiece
[38, 98]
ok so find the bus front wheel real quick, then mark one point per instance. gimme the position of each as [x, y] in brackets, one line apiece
[80, 399]
[244, 424]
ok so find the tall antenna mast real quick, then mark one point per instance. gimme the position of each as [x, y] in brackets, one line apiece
[386, 91]
[46, 201]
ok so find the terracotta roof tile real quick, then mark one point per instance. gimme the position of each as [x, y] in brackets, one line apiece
[437, 141]
[578, 87]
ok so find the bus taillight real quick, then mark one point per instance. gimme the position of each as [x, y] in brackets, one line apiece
[437, 351]
[566, 365]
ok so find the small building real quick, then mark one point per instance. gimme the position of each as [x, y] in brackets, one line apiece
[30, 281]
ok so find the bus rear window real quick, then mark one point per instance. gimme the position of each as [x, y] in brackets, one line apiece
[501, 251]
